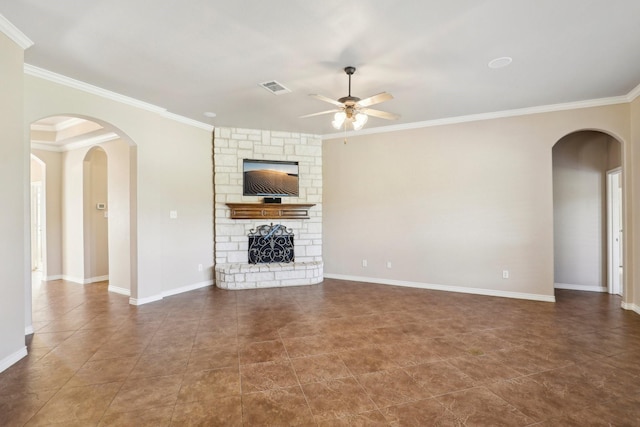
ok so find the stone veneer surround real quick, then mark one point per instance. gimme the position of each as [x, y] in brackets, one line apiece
[231, 146]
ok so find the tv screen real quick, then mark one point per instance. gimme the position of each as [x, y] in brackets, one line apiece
[270, 178]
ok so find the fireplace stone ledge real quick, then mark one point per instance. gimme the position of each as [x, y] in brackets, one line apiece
[255, 276]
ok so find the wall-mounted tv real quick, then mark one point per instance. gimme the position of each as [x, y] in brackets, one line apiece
[270, 178]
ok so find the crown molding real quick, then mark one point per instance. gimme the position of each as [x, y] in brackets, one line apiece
[44, 146]
[488, 116]
[86, 87]
[14, 33]
[635, 92]
[113, 96]
[86, 142]
[187, 121]
[69, 123]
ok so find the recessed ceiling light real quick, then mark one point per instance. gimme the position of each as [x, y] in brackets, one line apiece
[210, 114]
[500, 62]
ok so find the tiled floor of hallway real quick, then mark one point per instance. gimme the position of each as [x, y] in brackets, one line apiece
[338, 353]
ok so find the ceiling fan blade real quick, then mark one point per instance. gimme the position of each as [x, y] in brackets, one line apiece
[329, 100]
[375, 99]
[320, 113]
[380, 114]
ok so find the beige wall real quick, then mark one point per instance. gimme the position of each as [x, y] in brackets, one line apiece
[632, 180]
[14, 193]
[580, 164]
[53, 196]
[73, 260]
[118, 209]
[173, 171]
[96, 228]
[453, 206]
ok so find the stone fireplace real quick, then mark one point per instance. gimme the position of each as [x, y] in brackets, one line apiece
[233, 269]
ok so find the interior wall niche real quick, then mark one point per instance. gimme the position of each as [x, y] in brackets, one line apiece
[580, 164]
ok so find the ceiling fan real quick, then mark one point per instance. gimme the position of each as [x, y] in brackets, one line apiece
[353, 109]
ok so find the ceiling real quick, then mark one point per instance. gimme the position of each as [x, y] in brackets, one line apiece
[210, 56]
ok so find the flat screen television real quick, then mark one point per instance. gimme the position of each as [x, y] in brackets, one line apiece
[270, 178]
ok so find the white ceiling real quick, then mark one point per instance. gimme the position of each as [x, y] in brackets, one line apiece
[432, 55]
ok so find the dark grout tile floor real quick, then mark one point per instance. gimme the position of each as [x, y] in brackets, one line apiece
[335, 354]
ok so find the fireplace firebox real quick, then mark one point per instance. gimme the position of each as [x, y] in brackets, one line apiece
[271, 244]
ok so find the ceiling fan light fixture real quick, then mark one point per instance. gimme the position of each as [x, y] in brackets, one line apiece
[360, 121]
[338, 119]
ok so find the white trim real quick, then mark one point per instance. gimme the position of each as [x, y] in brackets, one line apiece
[86, 87]
[45, 146]
[141, 301]
[631, 306]
[14, 34]
[176, 291]
[571, 287]
[69, 123]
[187, 121]
[98, 139]
[484, 116]
[82, 281]
[95, 90]
[88, 142]
[54, 277]
[91, 280]
[612, 270]
[12, 358]
[119, 290]
[447, 288]
[635, 92]
[187, 288]
[28, 330]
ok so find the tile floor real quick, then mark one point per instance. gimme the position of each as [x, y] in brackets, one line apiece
[335, 354]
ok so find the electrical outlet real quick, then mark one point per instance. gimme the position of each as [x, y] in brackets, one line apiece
[364, 262]
[388, 264]
[505, 274]
[199, 267]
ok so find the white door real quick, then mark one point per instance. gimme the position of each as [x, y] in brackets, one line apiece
[614, 231]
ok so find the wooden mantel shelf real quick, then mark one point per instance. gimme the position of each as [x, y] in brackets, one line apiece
[269, 210]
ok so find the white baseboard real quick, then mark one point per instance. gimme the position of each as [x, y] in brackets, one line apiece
[12, 358]
[187, 288]
[95, 279]
[571, 287]
[176, 291]
[631, 306]
[73, 279]
[54, 277]
[147, 300]
[119, 290]
[28, 330]
[447, 288]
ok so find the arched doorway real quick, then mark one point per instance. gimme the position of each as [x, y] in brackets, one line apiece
[582, 202]
[91, 170]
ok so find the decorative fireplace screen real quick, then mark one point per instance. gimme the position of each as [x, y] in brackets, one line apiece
[271, 243]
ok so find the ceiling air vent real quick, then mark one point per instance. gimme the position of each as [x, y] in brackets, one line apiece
[275, 88]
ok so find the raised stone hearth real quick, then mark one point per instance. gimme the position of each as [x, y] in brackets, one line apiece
[253, 276]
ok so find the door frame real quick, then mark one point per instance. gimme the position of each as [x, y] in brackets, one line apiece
[615, 231]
